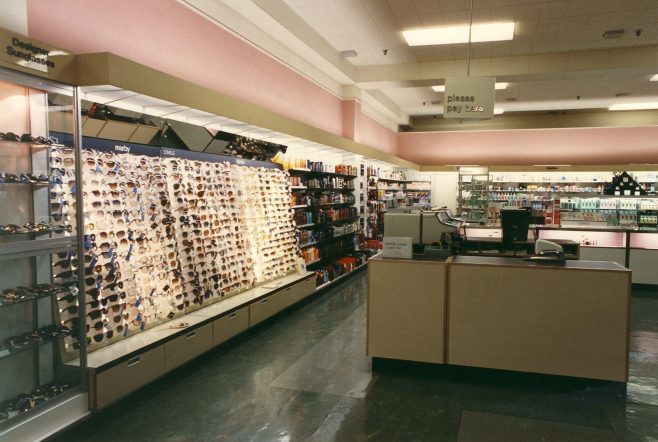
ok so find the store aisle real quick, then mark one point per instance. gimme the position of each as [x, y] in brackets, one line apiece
[304, 376]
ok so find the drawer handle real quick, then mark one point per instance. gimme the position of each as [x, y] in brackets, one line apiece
[190, 335]
[264, 300]
[134, 361]
[232, 315]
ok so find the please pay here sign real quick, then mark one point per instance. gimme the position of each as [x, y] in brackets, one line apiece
[469, 98]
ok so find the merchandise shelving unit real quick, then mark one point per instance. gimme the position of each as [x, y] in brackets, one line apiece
[579, 198]
[473, 196]
[333, 241]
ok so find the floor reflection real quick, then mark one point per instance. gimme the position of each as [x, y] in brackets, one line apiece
[304, 376]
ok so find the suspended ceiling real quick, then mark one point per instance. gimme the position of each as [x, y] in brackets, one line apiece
[558, 59]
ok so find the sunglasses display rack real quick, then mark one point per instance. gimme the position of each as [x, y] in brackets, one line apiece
[165, 236]
[38, 238]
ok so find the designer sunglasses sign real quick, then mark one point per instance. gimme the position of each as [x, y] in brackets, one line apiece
[469, 98]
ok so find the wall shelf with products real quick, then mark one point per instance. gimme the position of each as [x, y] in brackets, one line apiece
[473, 198]
[326, 229]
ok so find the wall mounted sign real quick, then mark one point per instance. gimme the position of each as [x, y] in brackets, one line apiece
[28, 54]
[473, 170]
[469, 98]
[397, 247]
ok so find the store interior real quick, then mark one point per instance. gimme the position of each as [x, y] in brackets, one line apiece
[164, 217]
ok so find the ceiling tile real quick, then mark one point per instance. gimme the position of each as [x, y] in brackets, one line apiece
[613, 5]
[480, 4]
[547, 29]
[436, 19]
[482, 15]
[532, 11]
[501, 3]
[554, 9]
[582, 7]
[503, 13]
[409, 21]
[452, 5]
[401, 7]
[444, 52]
[426, 6]
[481, 50]
[455, 17]
[501, 49]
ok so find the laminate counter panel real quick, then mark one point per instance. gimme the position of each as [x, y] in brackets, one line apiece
[567, 319]
[406, 309]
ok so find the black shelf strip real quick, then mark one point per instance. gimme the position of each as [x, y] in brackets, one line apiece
[328, 189]
[347, 220]
[331, 204]
[326, 240]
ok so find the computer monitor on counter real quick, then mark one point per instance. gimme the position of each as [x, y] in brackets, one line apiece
[515, 223]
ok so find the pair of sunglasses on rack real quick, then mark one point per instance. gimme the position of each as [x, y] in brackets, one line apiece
[13, 229]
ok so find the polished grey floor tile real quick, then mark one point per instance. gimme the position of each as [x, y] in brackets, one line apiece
[503, 428]
[320, 369]
[304, 376]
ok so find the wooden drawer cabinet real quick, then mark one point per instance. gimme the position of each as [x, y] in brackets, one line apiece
[119, 381]
[266, 307]
[303, 289]
[279, 300]
[188, 346]
[230, 325]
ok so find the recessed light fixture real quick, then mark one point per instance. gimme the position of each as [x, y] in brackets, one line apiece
[442, 87]
[654, 78]
[348, 54]
[613, 33]
[444, 35]
[633, 106]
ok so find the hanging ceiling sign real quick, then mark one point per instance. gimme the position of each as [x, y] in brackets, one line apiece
[469, 98]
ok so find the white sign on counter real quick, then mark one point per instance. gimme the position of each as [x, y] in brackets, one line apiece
[397, 247]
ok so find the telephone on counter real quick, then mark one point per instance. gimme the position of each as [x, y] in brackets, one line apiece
[548, 251]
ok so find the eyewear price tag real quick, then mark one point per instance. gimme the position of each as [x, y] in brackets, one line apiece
[168, 152]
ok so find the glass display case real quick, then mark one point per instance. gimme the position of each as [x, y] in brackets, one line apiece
[40, 299]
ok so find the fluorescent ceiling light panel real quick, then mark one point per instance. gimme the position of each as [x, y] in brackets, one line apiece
[459, 34]
[442, 87]
[499, 111]
[633, 106]
[654, 78]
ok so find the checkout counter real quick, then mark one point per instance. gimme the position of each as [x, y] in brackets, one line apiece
[569, 318]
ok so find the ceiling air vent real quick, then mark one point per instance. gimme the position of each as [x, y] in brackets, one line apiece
[348, 54]
[614, 33]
